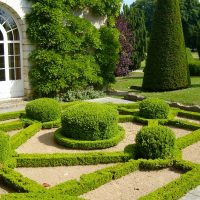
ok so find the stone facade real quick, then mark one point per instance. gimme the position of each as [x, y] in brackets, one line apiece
[18, 10]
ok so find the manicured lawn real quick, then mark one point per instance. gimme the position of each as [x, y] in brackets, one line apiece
[190, 96]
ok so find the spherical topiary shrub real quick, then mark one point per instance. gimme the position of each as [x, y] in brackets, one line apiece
[43, 110]
[153, 108]
[155, 142]
[4, 147]
[90, 121]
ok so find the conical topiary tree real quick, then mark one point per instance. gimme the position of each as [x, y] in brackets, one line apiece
[167, 67]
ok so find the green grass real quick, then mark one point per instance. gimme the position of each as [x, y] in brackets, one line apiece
[189, 96]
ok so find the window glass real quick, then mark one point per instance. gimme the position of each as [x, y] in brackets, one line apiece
[1, 36]
[10, 49]
[18, 73]
[11, 74]
[1, 49]
[16, 34]
[11, 61]
[2, 64]
[2, 75]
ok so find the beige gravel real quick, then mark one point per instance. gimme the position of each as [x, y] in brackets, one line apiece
[9, 120]
[188, 119]
[179, 132]
[11, 133]
[43, 142]
[132, 186]
[57, 175]
[192, 153]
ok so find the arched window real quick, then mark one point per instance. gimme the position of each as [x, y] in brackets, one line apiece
[10, 62]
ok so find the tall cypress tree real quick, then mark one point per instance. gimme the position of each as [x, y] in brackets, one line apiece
[167, 67]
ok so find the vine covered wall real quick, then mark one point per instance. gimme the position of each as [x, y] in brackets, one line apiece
[70, 52]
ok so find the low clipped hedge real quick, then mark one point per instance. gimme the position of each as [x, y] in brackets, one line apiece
[43, 110]
[154, 108]
[90, 121]
[88, 145]
[155, 142]
[5, 151]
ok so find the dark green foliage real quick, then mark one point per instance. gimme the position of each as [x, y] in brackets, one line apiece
[155, 142]
[71, 53]
[83, 144]
[108, 55]
[190, 11]
[136, 21]
[153, 108]
[90, 121]
[5, 151]
[190, 16]
[166, 67]
[198, 42]
[43, 110]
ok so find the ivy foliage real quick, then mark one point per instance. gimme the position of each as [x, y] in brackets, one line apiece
[70, 52]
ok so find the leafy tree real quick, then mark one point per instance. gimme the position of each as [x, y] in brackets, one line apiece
[148, 7]
[135, 19]
[198, 42]
[190, 11]
[126, 40]
[167, 67]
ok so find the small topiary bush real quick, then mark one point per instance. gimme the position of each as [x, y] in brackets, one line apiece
[153, 108]
[4, 147]
[155, 142]
[90, 121]
[43, 110]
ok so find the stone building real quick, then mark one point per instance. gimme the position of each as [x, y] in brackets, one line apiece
[15, 47]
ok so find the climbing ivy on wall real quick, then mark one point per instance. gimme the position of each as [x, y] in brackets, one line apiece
[70, 52]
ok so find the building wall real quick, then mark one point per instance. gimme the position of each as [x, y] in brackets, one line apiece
[18, 10]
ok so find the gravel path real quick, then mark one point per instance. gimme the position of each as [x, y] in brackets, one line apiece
[132, 186]
[188, 119]
[192, 153]
[179, 132]
[43, 142]
[110, 100]
[56, 175]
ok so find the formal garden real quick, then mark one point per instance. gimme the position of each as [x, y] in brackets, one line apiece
[145, 150]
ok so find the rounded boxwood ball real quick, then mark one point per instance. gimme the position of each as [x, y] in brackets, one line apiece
[155, 142]
[43, 110]
[90, 121]
[4, 147]
[154, 108]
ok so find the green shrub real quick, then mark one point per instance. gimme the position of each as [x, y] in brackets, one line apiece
[194, 67]
[166, 67]
[153, 108]
[155, 142]
[5, 151]
[194, 64]
[43, 110]
[90, 121]
[88, 145]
